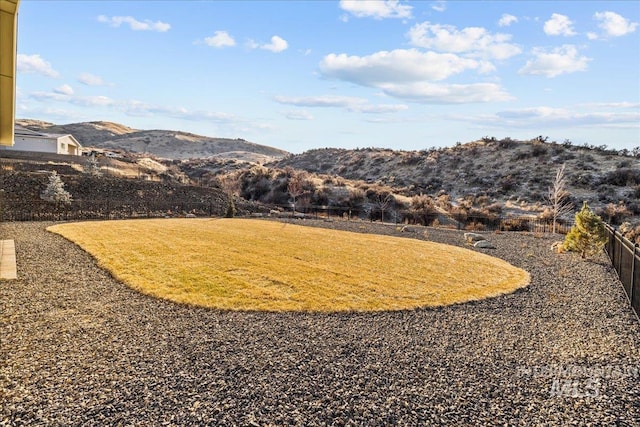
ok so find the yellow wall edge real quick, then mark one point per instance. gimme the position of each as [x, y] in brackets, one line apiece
[8, 53]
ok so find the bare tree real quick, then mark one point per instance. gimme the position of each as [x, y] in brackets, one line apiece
[296, 186]
[230, 184]
[382, 202]
[558, 197]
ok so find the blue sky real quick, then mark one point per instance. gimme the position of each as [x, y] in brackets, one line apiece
[300, 75]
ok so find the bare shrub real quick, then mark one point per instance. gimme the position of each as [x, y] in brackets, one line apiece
[558, 198]
[475, 226]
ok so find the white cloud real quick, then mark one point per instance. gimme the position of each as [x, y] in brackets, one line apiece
[230, 122]
[134, 24]
[298, 115]
[614, 25]
[507, 19]
[410, 74]
[91, 80]
[220, 39]
[93, 101]
[65, 89]
[592, 36]
[429, 93]
[476, 41]
[61, 96]
[35, 64]
[318, 101]
[561, 60]
[559, 25]
[49, 96]
[378, 108]
[354, 104]
[252, 44]
[277, 45]
[377, 9]
[567, 117]
[552, 117]
[395, 66]
[49, 113]
[623, 104]
[439, 6]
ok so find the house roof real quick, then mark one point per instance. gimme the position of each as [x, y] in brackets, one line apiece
[19, 130]
[24, 132]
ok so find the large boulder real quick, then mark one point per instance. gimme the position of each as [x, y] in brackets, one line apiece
[483, 244]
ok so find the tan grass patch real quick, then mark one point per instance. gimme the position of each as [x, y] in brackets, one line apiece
[243, 264]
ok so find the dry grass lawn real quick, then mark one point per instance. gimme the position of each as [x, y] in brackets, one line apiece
[243, 264]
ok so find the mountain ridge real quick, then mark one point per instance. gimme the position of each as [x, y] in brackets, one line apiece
[168, 144]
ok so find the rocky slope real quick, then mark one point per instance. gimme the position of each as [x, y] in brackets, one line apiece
[160, 143]
[504, 169]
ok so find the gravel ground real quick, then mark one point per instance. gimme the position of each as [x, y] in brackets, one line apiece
[79, 348]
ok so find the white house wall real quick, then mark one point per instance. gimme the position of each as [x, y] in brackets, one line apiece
[40, 145]
[66, 145]
[46, 144]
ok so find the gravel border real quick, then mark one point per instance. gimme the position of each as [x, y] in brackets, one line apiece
[79, 348]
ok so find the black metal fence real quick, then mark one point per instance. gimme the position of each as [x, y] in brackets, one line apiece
[471, 222]
[511, 223]
[625, 258]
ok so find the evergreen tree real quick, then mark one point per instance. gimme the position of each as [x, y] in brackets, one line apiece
[588, 235]
[93, 168]
[55, 192]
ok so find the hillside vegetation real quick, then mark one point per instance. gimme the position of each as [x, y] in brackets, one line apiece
[503, 169]
[483, 179]
[160, 143]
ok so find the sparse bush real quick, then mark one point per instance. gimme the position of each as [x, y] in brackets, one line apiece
[507, 143]
[614, 214]
[422, 210]
[622, 177]
[475, 226]
[515, 224]
[606, 194]
[492, 209]
[631, 232]
[506, 184]
[444, 201]
[581, 180]
[539, 150]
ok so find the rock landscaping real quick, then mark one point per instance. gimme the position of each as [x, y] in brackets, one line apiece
[79, 348]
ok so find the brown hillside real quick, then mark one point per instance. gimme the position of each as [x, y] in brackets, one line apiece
[159, 143]
[505, 170]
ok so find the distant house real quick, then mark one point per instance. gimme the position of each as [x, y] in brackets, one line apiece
[28, 140]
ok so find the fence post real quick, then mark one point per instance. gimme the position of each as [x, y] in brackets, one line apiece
[612, 244]
[633, 275]
[619, 269]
